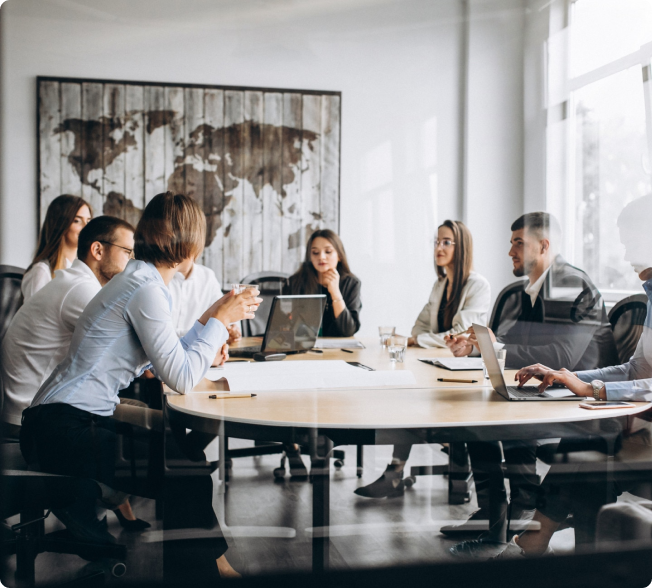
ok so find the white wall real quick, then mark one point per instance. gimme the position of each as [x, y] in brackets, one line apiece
[494, 133]
[398, 65]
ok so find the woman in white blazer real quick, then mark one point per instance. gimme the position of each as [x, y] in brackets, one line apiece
[459, 298]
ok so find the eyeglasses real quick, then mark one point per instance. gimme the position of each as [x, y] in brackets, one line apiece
[445, 243]
[129, 251]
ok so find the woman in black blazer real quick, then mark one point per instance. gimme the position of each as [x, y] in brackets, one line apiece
[325, 270]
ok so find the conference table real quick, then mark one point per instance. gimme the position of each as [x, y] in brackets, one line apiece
[428, 411]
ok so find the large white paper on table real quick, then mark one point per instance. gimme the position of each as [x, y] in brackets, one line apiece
[301, 375]
[338, 343]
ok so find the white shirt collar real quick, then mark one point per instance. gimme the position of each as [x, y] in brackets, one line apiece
[534, 289]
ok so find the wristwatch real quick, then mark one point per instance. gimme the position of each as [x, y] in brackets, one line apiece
[597, 385]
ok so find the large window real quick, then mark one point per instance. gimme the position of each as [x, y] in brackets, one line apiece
[607, 132]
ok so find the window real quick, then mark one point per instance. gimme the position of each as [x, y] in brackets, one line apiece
[607, 134]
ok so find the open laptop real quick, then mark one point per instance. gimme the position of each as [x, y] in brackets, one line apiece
[498, 380]
[292, 326]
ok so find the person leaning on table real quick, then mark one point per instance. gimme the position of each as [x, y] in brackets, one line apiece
[631, 381]
[126, 329]
[459, 298]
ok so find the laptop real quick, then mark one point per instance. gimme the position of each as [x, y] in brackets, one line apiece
[292, 326]
[498, 380]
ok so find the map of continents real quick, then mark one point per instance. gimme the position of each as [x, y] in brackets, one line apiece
[211, 158]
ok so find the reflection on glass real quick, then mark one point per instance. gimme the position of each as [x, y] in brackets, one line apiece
[612, 168]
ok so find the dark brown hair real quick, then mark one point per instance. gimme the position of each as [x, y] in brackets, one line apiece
[101, 228]
[305, 280]
[462, 263]
[60, 215]
[171, 229]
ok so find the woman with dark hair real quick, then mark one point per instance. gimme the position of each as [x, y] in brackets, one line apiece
[325, 270]
[126, 329]
[57, 245]
[459, 298]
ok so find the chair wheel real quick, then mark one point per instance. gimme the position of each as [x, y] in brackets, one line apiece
[410, 481]
[119, 570]
[279, 473]
[338, 463]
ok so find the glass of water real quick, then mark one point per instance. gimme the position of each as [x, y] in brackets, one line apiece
[240, 288]
[501, 355]
[396, 347]
[385, 333]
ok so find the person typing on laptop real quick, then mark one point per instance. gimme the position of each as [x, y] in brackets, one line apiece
[556, 317]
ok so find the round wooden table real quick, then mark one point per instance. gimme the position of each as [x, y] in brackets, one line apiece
[429, 412]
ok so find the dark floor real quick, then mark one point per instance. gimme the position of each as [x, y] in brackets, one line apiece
[269, 523]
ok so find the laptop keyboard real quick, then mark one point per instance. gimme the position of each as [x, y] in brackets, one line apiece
[527, 392]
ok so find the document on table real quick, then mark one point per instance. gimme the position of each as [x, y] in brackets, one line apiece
[301, 375]
[338, 343]
[455, 363]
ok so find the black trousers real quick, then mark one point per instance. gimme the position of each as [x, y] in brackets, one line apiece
[488, 475]
[68, 441]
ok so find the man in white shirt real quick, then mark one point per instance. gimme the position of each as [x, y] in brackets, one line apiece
[39, 335]
[194, 288]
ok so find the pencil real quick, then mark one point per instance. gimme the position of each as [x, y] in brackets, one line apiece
[227, 395]
[457, 380]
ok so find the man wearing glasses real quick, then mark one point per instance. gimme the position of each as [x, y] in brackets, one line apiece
[40, 334]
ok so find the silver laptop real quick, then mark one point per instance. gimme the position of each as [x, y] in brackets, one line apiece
[292, 326]
[498, 380]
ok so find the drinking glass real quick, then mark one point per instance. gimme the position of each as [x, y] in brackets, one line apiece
[240, 288]
[397, 345]
[501, 355]
[385, 333]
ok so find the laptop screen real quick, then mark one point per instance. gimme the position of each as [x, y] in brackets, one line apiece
[294, 323]
[490, 359]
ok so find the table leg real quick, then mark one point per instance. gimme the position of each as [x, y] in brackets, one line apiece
[320, 447]
[459, 474]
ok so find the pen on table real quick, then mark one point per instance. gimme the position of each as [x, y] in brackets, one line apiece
[222, 396]
[316, 351]
[346, 350]
[457, 380]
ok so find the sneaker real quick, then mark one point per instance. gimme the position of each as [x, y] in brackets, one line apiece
[389, 485]
[482, 548]
[514, 551]
[477, 523]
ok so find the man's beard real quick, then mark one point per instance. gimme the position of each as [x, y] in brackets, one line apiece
[108, 271]
[525, 269]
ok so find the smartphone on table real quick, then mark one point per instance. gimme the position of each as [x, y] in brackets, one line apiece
[606, 404]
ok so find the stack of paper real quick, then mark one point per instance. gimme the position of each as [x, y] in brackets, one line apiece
[302, 375]
[455, 363]
[338, 343]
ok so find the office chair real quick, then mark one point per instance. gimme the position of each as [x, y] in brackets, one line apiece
[270, 285]
[627, 319]
[11, 298]
[34, 495]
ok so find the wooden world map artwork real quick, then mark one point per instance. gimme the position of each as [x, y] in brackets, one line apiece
[263, 164]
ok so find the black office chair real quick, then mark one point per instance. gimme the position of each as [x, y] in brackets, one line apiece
[627, 319]
[33, 495]
[11, 298]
